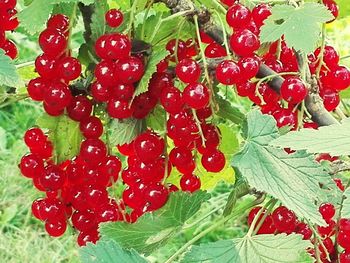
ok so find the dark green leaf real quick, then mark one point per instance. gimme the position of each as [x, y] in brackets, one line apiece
[124, 131]
[98, 23]
[108, 252]
[153, 229]
[228, 112]
[292, 178]
[156, 119]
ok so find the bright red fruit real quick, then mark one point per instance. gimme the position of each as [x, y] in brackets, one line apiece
[52, 42]
[55, 228]
[188, 70]
[213, 161]
[238, 16]
[284, 219]
[293, 90]
[244, 42]
[93, 151]
[148, 146]
[129, 70]
[69, 68]
[58, 22]
[327, 211]
[333, 7]
[91, 127]
[190, 183]
[196, 95]
[114, 17]
[80, 108]
[171, 99]
[31, 166]
[228, 72]
[260, 13]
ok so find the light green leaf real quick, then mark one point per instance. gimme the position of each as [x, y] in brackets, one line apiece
[292, 178]
[344, 8]
[227, 111]
[98, 23]
[108, 252]
[345, 212]
[124, 131]
[301, 26]
[156, 56]
[33, 18]
[333, 139]
[156, 119]
[229, 144]
[8, 73]
[64, 134]
[153, 230]
[256, 249]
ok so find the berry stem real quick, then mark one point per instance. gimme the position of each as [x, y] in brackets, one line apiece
[320, 56]
[198, 123]
[25, 64]
[225, 35]
[222, 221]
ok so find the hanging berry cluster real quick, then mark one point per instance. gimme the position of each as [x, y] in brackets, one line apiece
[8, 22]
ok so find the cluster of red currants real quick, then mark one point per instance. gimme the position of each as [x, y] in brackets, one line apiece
[8, 22]
[283, 220]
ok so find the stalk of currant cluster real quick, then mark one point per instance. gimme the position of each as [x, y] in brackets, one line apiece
[8, 22]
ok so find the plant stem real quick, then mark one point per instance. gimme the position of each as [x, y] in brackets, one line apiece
[235, 214]
[25, 64]
[320, 56]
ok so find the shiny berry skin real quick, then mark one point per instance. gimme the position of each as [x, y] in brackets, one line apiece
[58, 95]
[142, 105]
[101, 47]
[171, 100]
[293, 90]
[214, 50]
[245, 89]
[99, 92]
[52, 111]
[196, 95]
[327, 211]
[52, 178]
[330, 98]
[9, 19]
[213, 161]
[181, 49]
[285, 117]
[249, 67]
[38, 207]
[91, 127]
[118, 46]
[267, 226]
[190, 183]
[340, 78]
[158, 82]
[327, 230]
[344, 257]
[111, 167]
[46, 66]
[123, 92]
[304, 230]
[7, 4]
[148, 146]
[188, 70]
[129, 70]
[228, 72]
[344, 224]
[343, 239]
[119, 109]
[95, 196]
[93, 151]
[260, 13]
[114, 17]
[204, 113]
[104, 73]
[156, 196]
[59, 22]
[80, 108]
[133, 196]
[238, 16]
[55, 228]
[126, 149]
[182, 159]
[69, 68]
[10, 49]
[84, 220]
[333, 7]
[2, 37]
[86, 237]
[34, 137]
[284, 219]
[244, 42]
[330, 56]
[31, 166]
[52, 42]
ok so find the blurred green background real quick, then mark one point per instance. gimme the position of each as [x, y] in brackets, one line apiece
[23, 238]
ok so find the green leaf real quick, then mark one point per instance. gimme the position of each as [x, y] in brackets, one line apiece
[108, 252]
[124, 131]
[345, 212]
[333, 139]
[229, 144]
[344, 8]
[153, 230]
[239, 189]
[300, 26]
[64, 134]
[292, 178]
[98, 23]
[156, 56]
[8, 73]
[256, 249]
[33, 18]
[228, 112]
[156, 119]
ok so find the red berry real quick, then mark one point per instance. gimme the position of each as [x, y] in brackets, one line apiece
[105, 74]
[86, 237]
[59, 22]
[55, 228]
[260, 13]
[293, 90]
[52, 111]
[80, 108]
[327, 211]
[245, 89]
[244, 42]
[331, 99]
[158, 82]
[93, 151]
[31, 166]
[249, 67]
[340, 78]
[303, 229]
[181, 49]
[228, 72]
[84, 220]
[119, 109]
[285, 117]
[333, 7]
[10, 49]
[188, 70]
[46, 66]
[34, 137]
[118, 46]
[114, 17]
[190, 183]
[213, 161]
[69, 68]
[38, 206]
[58, 95]
[9, 19]
[100, 92]
[156, 196]
[126, 149]
[7, 4]
[129, 70]
[111, 167]
[52, 42]
[238, 16]
[196, 95]
[101, 47]
[214, 50]
[343, 239]
[91, 127]
[148, 146]
[330, 56]
[267, 226]
[344, 257]
[52, 178]
[171, 100]
[123, 92]
[284, 220]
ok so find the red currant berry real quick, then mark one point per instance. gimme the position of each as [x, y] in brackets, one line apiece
[119, 109]
[171, 100]
[7, 4]
[249, 67]
[104, 73]
[31, 166]
[344, 257]
[84, 220]
[52, 111]
[284, 220]
[214, 50]
[343, 239]
[331, 99]
[55, 228]
[58, 95]
[52, 42]
[228, 72]
[196, 95]
[285, 117]
[118, 46]
[260, 13]
[99, 92]
[91, 127]
[38, 206]
[129, 70]
[293, 90]
[86, 237]
[190, 183]
[52, 178]
[158, 82]
[93, 151]
[344, 224]
[181, 49]
[267, 226]
[333, 7]
[80, 108]
[238, 16]
[156, 196]
[327, 211]
[34, 137]
[123, 92]
[244, 42]
[148, 146]
[46, 66]
[330, 56]
[59, 22]
[340, 78]
[126, 149]
[111, 167]
[10, 49]
[304, 230]
[114, 17]
[213, 161]
[188, 70]
[69, 68]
